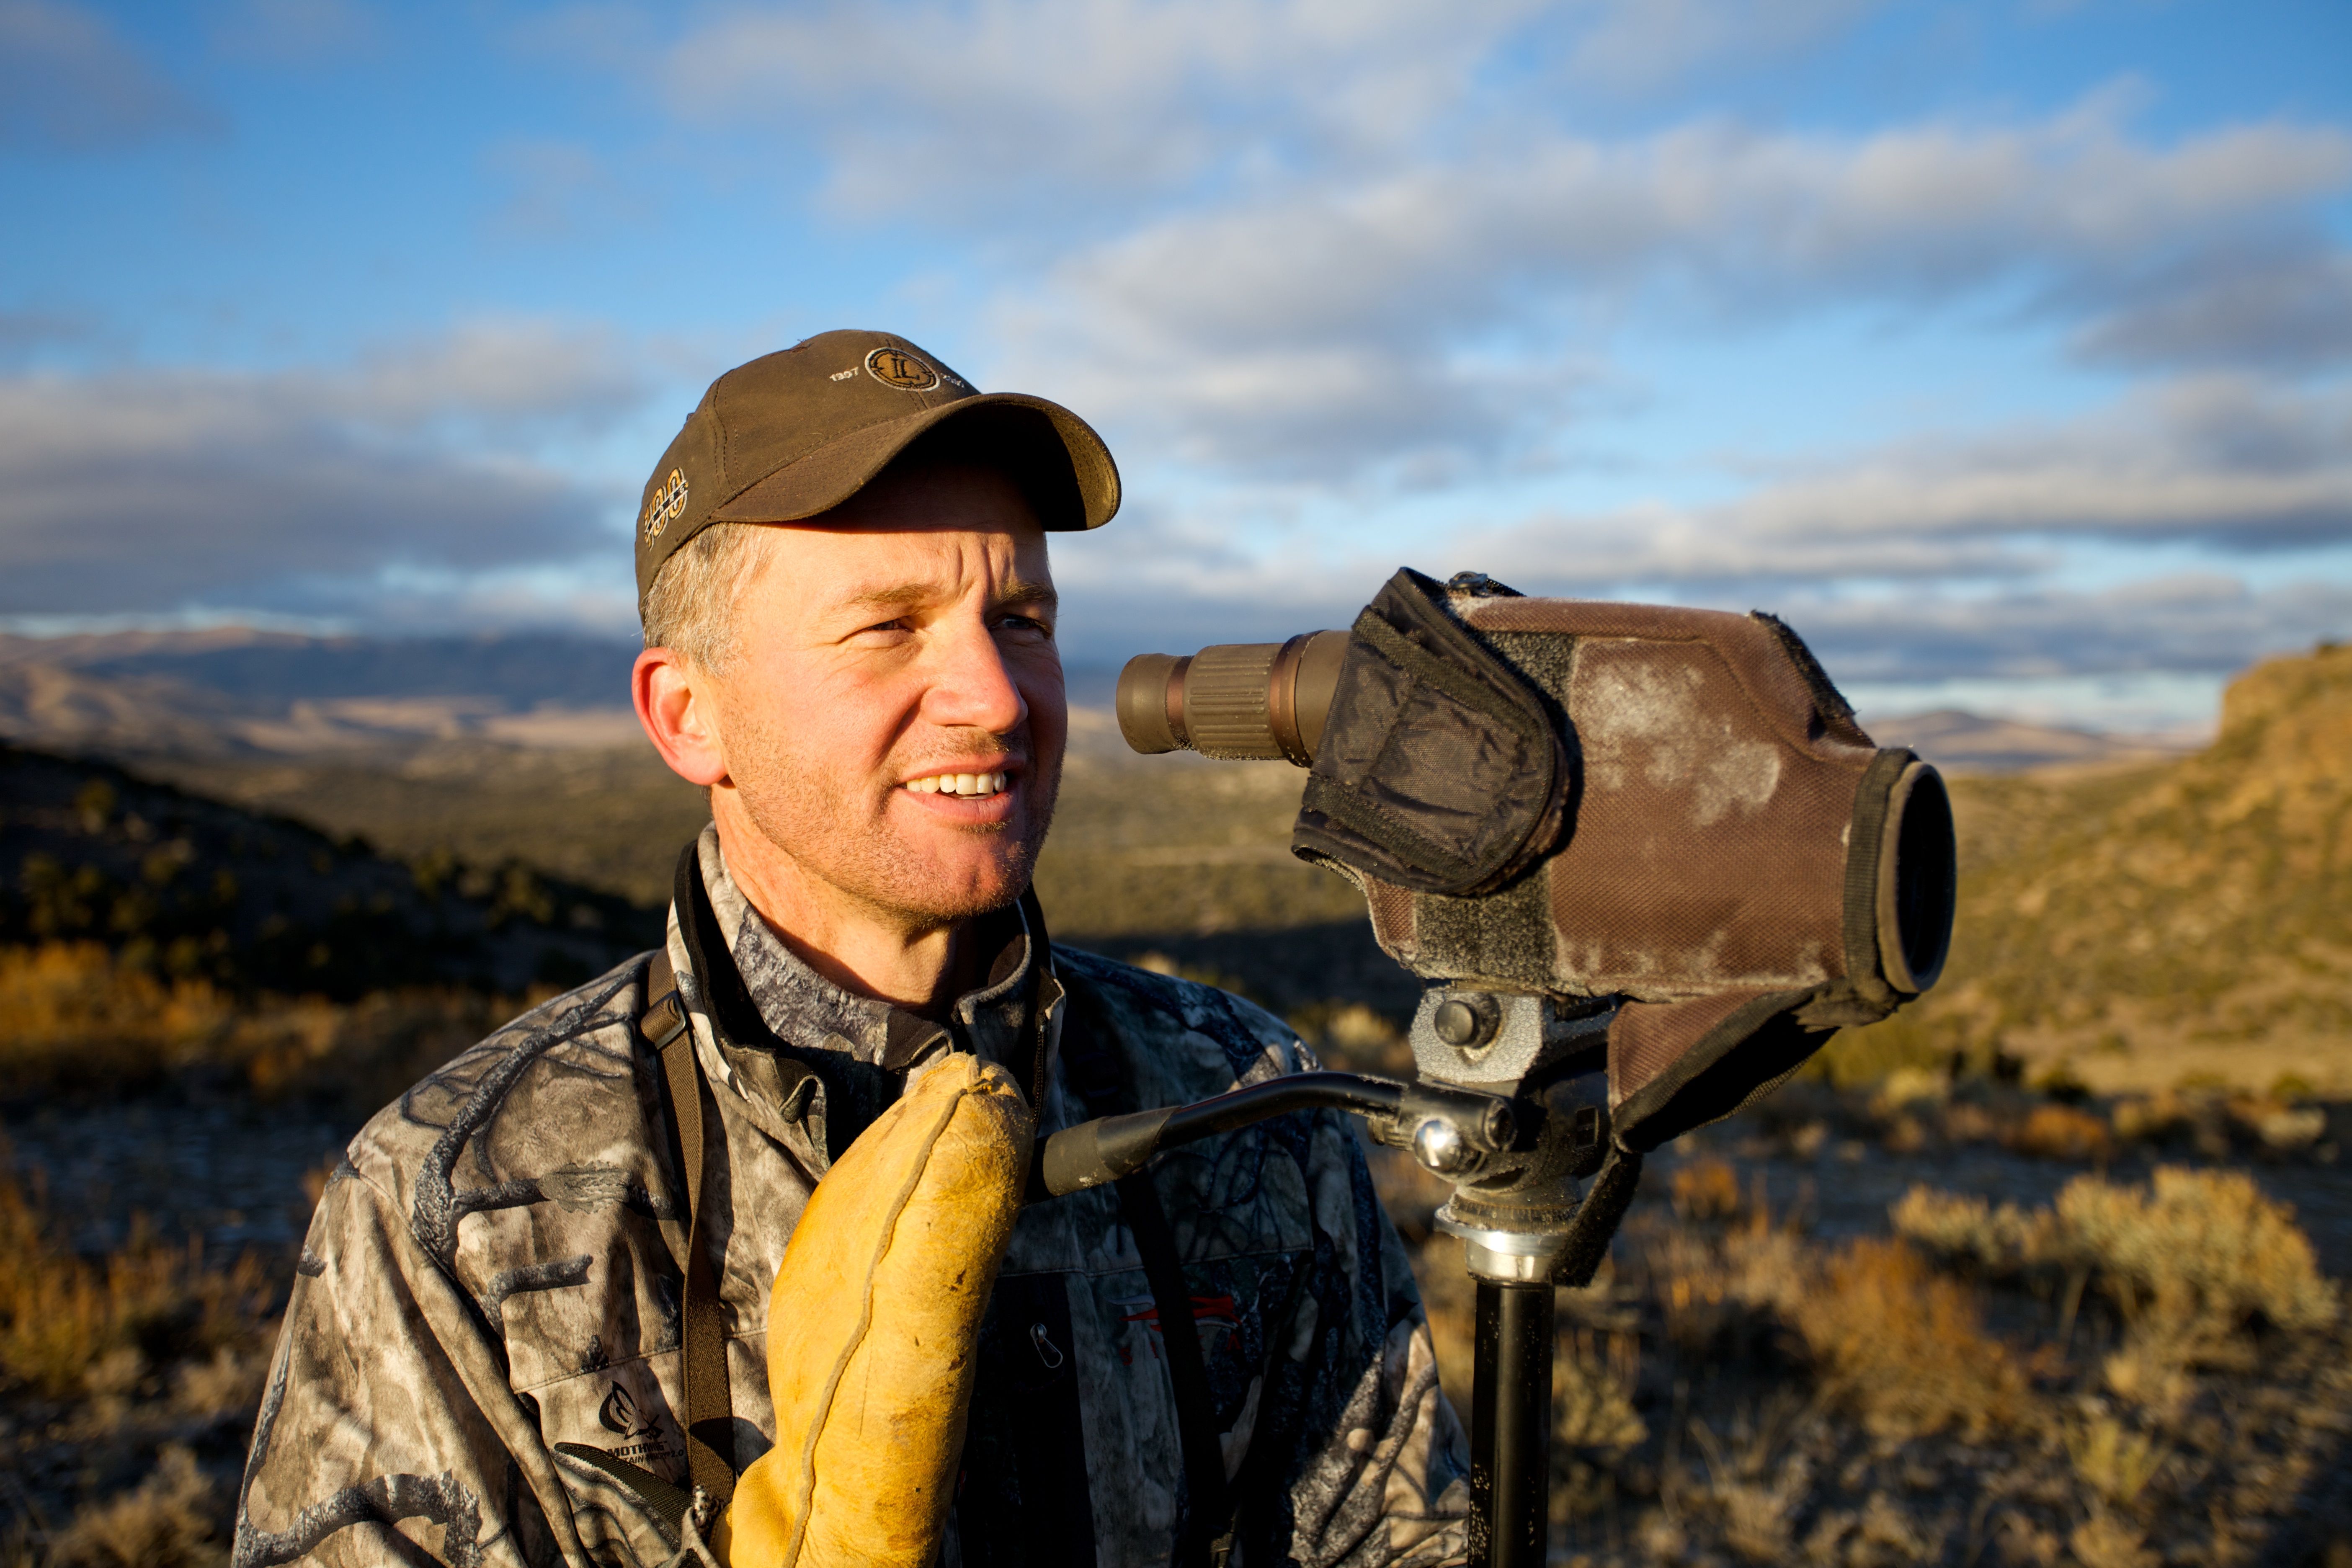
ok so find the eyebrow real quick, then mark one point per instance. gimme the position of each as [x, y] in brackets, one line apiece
[1016, 591]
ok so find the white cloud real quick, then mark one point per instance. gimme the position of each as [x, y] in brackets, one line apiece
[2201, 622]
[2227, 464]
[299, 491]
[1339, 326]
[947, 112]
[2290, 310]
[505, 375]
[1918, 561]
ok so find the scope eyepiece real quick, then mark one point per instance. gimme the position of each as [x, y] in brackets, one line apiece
[1235, 701]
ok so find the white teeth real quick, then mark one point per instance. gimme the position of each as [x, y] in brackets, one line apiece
[959, 783]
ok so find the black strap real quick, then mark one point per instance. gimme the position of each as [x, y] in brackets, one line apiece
[710, 1416]
[706, 1392]
[670, 1503]
[709, 1403]
[1208, 1535]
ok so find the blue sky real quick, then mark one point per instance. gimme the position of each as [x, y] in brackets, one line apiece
[2002, 348]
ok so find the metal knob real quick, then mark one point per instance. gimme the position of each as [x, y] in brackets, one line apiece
[1439, 1144]
[1458, 1024]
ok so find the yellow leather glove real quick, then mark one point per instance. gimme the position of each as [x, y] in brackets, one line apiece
[872, 1329]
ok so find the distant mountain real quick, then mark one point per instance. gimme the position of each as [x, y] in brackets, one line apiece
[1969, 742]
[235, 691]
[519, 671]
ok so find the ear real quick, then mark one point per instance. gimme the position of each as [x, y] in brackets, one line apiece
[675, 704]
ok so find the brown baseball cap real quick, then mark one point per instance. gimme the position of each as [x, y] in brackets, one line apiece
[795, 433]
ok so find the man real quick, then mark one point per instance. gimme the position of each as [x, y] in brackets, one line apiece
[849, 617]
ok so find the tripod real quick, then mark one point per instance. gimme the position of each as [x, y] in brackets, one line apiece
[1509, 1107]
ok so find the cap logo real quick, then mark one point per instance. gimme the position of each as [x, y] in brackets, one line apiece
[897, 367]
[667, 503]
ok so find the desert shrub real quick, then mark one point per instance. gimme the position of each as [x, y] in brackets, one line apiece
[2001, 1241]
[1904, 1348]
[61, 1317]
[227, 1387]
[2114, 1461]
[2106, 1542]
[2062, 1132]
[1353, 1036]
[1706, 1189]
[78, 1020]
[2202, 1246]
[2279, 1125]
[2160, 1117]
[1592, 1381]
[83, 1020]
[2216, 1125]
[364, 1053]
[167, 1521]
[1725, 1291]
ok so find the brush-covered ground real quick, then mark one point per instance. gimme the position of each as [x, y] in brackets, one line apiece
[2046, 1270]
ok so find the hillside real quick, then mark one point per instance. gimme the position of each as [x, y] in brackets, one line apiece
[2184, 920]
[190, 888]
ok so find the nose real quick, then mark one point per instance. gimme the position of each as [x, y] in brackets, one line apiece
[971, 686]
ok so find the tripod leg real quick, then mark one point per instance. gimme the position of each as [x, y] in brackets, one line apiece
[1510, 1427]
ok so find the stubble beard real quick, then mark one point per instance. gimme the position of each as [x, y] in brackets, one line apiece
[830, 827]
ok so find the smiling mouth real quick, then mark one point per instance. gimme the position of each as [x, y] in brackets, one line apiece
[969, 784]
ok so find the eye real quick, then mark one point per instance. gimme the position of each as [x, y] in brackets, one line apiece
[1029, 625]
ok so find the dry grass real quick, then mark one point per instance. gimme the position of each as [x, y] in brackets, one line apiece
[83, 1022]
[152, 1350]
[1904, 1348]
[76, 1020]
[71, 1327]
[2114, 1461]
[1593, 1379]
[2103, 1541]
[168, 1521]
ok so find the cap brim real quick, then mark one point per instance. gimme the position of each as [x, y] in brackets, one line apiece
[832, 474]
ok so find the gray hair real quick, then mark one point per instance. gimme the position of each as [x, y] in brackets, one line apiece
[691, 605]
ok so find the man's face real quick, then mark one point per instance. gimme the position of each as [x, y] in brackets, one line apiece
[904, 643]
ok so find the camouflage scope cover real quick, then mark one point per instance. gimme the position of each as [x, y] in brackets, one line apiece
[1588, 798]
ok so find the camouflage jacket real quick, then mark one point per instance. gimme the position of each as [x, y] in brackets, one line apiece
[487, 1276]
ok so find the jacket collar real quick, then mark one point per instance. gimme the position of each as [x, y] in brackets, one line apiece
[792, 1043]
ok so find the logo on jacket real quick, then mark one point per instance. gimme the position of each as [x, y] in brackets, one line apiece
[621, 1414]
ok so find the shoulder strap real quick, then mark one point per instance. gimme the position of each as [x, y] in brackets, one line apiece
[710, 1404]
[663, 1027]
[1208, 1535]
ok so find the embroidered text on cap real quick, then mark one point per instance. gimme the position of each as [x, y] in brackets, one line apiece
[667, 503]
[897, 367]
